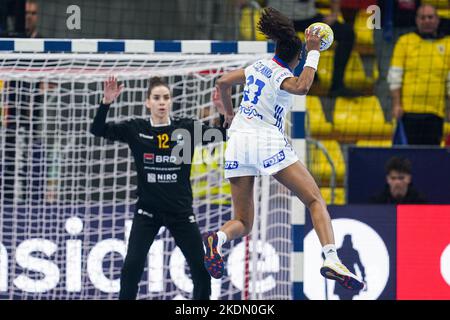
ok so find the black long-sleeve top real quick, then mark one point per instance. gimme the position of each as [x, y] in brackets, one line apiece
[162, 154]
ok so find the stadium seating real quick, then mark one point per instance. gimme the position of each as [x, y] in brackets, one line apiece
[318, 126]
[355, 76]
[320, 166]
[360, 118]
[374, 143]
[446, 136]
[442, 6]
[364, 35]
[247, 27]
[339, 195]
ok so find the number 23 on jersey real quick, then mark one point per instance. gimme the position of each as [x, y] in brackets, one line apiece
[260, 85]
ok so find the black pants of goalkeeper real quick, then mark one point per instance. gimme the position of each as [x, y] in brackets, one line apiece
[186, 233]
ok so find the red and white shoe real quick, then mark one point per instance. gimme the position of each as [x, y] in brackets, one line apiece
[335, 270]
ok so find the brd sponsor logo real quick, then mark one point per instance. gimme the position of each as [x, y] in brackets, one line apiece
[151, 158]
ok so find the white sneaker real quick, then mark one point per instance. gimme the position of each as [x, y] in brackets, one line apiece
[335, 270]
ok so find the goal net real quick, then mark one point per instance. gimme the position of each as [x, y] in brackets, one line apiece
[67, 198]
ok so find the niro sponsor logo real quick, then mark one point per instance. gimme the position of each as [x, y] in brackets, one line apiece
[151, 178]
[274, 159]
[167, 177]
[162, 177]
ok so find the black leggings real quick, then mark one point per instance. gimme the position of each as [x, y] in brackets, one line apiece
[187, 237]
[345, 38]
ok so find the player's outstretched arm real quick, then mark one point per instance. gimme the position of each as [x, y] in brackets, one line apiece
[99, 126]
[222, 96]
[302, 84]
[112, 90]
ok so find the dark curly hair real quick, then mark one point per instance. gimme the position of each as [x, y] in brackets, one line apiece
[279, 28]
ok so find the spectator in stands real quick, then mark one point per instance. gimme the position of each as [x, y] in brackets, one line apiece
[443, 10]
[31, 19]
[417, 77]
[399, 187]
[304, 13]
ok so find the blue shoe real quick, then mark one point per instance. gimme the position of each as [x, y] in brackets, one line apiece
[335, 270]
[213, 260]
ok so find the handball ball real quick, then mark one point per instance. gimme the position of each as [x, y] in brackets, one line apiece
[326, 32]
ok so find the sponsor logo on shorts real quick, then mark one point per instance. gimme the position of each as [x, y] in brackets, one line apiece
[229, 165]
[274, 159]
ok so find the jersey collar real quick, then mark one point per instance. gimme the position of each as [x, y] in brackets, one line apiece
[281, 62]
[160, 125]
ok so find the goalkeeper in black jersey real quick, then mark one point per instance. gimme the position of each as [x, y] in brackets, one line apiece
[162, 148]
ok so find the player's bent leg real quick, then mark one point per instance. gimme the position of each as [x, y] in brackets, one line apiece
[239, 226]
[298, 179]
[243, 208]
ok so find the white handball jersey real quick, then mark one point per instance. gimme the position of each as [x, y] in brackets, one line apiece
[264, 104]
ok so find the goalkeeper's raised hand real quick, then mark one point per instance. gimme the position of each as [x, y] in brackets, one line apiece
[111, 90]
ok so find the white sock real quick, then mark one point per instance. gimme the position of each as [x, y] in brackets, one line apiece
[330, 252]
[222, 238]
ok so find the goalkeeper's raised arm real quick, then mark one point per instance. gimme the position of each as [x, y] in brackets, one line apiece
[164, 189]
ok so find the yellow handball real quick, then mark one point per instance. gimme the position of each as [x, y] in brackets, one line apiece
[326, 32]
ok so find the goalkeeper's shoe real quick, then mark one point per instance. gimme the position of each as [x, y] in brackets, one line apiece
[335, 270]
[213, 260]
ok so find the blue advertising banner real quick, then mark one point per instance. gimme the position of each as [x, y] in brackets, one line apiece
[366, 175]
[57, 251]
[366, 242]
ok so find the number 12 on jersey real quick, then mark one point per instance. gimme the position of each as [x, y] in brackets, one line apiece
[163, 141]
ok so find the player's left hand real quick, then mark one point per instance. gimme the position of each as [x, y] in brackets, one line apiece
[313, 39]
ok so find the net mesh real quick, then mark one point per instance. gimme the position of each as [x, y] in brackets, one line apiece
[67, 198]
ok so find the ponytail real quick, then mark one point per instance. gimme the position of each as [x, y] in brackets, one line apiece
[279, 28]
